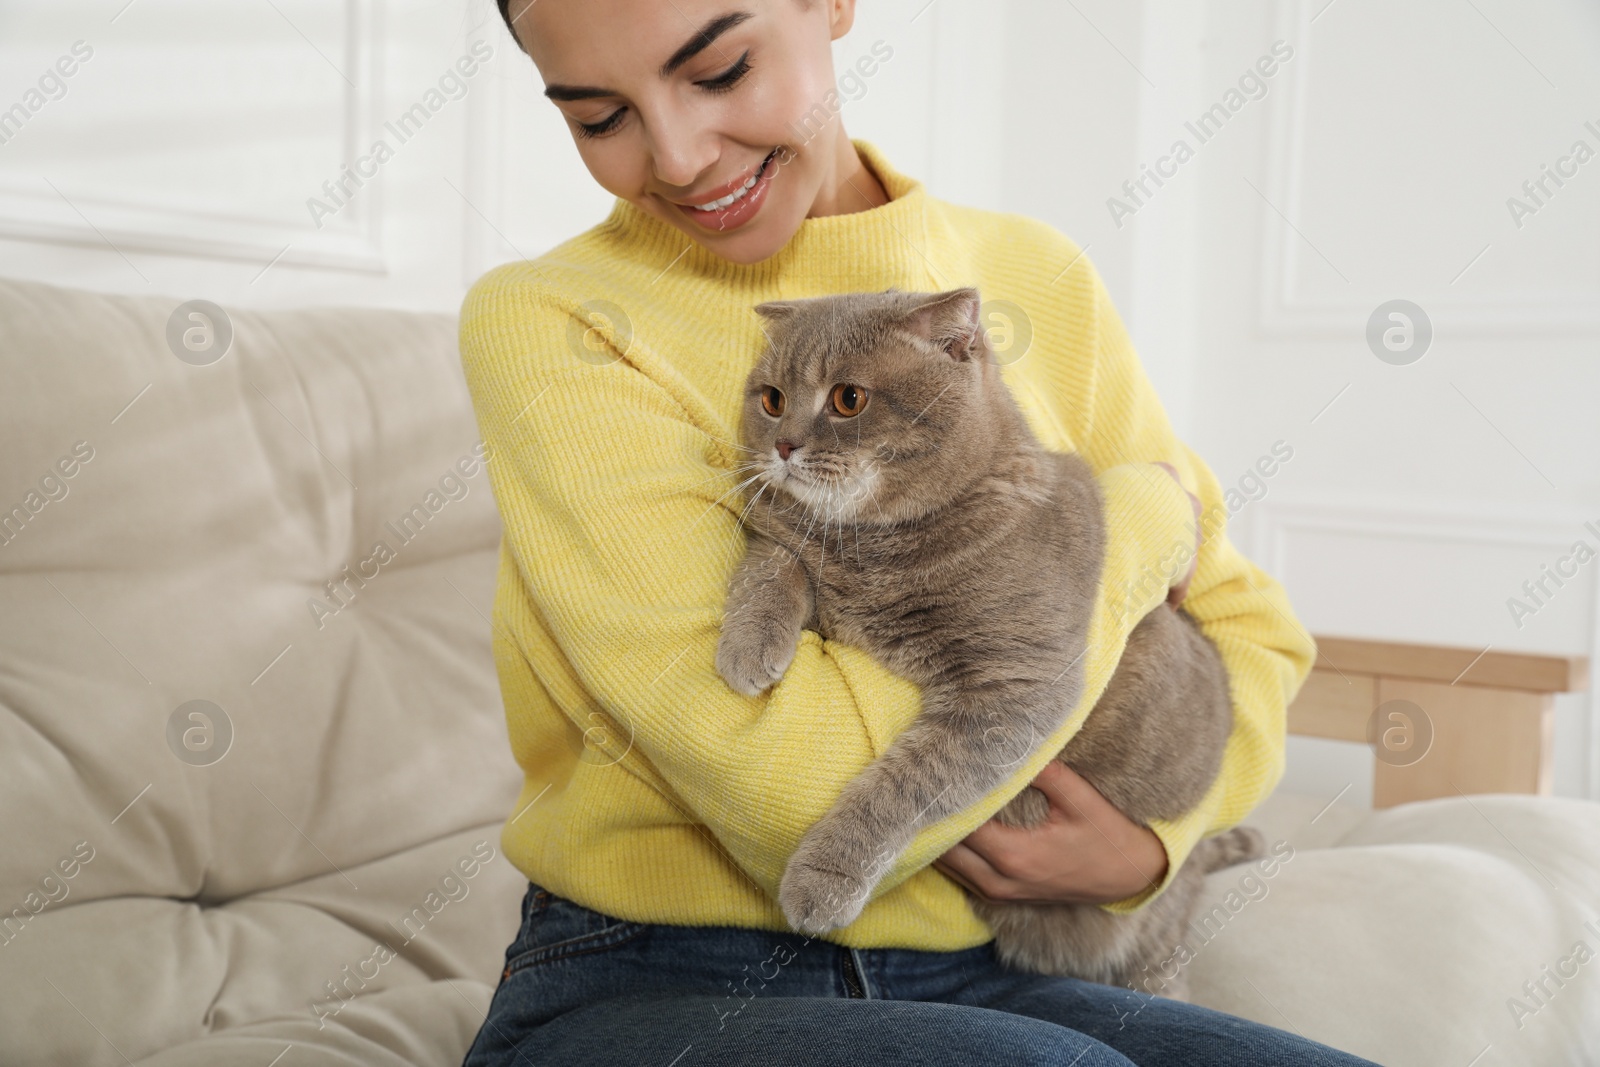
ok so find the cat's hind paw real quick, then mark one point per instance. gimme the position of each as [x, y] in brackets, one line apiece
[816, 901]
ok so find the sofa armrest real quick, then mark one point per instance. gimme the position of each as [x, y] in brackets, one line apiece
[1441, 721]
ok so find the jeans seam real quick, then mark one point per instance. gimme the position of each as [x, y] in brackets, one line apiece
[576, 946]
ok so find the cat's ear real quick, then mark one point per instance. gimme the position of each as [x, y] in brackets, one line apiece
[775, 310]
[949, 320]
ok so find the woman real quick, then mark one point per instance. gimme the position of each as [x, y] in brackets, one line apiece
[660, 806]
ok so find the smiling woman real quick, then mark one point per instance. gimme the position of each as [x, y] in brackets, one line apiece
[697, 137]
[654, 860]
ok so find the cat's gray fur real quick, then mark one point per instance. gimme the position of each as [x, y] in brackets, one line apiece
[932, 530]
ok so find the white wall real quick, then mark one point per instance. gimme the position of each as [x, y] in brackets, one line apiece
[182, 156]
[1085, 88]
[1377, 165]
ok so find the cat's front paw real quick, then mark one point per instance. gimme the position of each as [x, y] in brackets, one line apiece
[831, 875]
[815, 900]
[751, 658]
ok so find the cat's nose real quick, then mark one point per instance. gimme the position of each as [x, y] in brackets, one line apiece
[784, 448]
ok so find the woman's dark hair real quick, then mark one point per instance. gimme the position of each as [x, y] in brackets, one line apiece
[505, 13]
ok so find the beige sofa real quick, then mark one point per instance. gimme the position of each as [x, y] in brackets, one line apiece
[251, 739]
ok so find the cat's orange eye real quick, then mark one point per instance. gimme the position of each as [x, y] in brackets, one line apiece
[772, 401]
[848, 399]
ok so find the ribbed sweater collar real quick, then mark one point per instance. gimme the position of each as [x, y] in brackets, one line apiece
[903, 243]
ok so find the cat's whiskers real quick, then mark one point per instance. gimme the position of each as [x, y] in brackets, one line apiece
[872, 482]
[738, 520]
[806, 537]
[822, 557]
[837, 512]
[721, 472]
[737, 546]
[751, 504]
[855, 523]
[731, 444]
[710, 507]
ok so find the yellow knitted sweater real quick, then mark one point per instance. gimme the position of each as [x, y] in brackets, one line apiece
[606, 376]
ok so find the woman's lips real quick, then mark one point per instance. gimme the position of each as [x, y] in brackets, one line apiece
[747, 195]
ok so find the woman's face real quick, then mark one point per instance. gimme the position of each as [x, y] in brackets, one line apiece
[676, 106]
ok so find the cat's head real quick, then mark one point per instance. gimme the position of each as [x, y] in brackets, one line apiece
[874, 407]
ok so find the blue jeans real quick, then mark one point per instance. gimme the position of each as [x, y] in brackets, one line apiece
[583, 989]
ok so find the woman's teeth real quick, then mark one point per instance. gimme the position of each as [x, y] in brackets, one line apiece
[739, 193]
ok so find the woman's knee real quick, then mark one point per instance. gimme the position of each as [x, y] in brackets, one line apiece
[826, 1032]
[796, 1032]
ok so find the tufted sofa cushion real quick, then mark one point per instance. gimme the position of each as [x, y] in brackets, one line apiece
[168, 532]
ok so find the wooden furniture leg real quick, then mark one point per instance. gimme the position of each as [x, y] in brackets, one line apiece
[1441, 721]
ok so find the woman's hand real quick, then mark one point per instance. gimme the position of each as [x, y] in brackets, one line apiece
[1176, 594]
[1085, 852]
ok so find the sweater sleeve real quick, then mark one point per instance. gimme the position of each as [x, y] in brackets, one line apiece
[621, 518]
[1266, 652]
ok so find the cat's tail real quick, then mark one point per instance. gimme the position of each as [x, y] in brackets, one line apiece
[1238, 845]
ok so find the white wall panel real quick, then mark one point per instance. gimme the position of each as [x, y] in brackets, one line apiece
[194, 129]
[1401, 137]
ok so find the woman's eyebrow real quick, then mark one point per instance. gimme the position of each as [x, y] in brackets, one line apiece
[702, 40]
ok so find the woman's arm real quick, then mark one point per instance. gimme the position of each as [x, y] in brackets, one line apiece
[1266, 652]
[621, 523]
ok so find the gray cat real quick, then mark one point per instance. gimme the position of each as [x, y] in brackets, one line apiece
[905, 507]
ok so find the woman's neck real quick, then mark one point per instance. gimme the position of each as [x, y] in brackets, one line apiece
[851, 187]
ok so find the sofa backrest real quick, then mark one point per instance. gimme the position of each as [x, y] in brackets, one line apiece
[244, 603]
